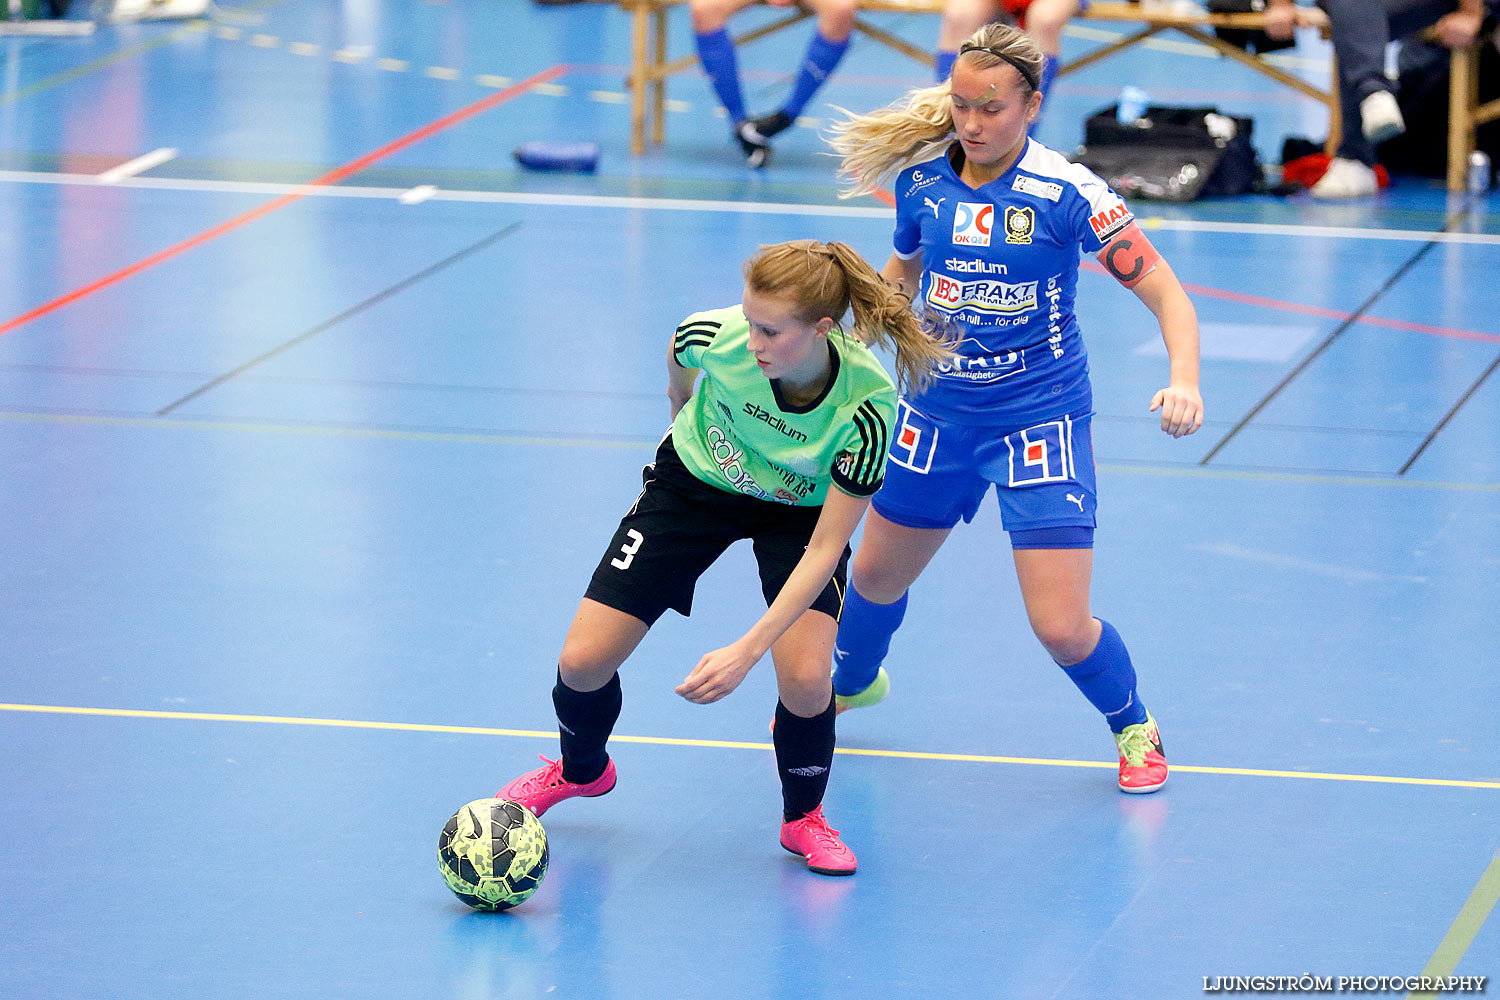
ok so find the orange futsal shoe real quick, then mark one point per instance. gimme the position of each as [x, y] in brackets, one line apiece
[1143, 766]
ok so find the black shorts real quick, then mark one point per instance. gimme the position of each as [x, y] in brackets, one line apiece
[680, 525]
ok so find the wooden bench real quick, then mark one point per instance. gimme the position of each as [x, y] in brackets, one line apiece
[650, 67]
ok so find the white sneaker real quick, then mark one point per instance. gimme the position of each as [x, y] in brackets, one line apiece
[1380, 117]
[1346, 179]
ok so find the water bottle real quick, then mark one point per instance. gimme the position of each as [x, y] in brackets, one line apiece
[1132, 107]
[1479, 172]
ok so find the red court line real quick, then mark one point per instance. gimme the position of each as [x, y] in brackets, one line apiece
[1323, 313]
[1295, 307]
[332, 177]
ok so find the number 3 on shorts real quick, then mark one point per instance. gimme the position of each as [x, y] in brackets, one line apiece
[629, 549]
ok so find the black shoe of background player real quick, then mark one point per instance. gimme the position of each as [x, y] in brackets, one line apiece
[770, 126]
[756, 147]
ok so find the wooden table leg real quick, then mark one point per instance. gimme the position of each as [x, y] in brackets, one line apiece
[639, 16]
[659, 84]
[1463, 96]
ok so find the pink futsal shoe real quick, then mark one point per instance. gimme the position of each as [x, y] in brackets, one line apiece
[815, 840]
[1143, 766]
[545, 787]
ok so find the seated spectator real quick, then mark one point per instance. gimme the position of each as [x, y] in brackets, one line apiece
[716, 50]
[1361, 29]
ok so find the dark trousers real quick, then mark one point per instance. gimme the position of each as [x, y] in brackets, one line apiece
[1361, 30]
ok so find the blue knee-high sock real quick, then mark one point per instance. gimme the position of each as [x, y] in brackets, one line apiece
[1049, 73]
[822, 56]
[943, 64]
[716, 50]
[1107, 680]
[865, 631]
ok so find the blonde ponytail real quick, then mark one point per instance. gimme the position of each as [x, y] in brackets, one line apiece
[830, 279]
[873, 148]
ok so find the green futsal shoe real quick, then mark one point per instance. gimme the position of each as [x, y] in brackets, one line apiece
[873, 694]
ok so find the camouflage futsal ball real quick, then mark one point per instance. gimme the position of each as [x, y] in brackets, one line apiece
[493, 853]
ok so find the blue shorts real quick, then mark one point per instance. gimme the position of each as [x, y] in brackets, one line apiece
[1043, 476]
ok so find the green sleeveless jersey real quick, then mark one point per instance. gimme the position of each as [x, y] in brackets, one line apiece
[737, 432]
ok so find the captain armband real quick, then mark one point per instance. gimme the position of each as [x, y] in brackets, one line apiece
[1129, 256]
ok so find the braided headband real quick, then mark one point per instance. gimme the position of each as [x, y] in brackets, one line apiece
[1026, 74]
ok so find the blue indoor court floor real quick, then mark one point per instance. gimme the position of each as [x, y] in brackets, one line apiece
[314, 423]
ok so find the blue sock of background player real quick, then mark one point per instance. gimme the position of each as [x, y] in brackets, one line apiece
[823, 54]
[716, 51]
[865, 630]
[1049, 73]
[1106, 677]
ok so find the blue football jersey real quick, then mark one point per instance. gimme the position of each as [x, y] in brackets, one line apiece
[1001, 261]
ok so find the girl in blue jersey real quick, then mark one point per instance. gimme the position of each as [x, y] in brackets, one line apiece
[990, 226]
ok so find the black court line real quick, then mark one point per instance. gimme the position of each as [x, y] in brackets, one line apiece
[1328, 341]
[378, 297]
[1449, 416]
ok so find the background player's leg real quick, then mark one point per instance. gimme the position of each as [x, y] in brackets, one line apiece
[889, 560]
[1045, 20]
[828, 45]
[1055, 588]
[716, 51]
[961, 18]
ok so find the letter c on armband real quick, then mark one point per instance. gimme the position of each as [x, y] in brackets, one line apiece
[1130, 256]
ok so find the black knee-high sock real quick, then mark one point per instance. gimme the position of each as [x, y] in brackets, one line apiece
[804, 753]
[584, 721]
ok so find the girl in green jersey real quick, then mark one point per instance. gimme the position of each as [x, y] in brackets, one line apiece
[781, 421]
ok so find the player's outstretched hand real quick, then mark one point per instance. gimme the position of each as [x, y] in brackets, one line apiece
[717, 674]
[1181, 409]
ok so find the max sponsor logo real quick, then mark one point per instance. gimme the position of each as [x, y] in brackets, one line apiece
[774, 422]
[1107, 222]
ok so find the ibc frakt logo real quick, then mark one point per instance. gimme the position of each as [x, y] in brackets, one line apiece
[972, 224]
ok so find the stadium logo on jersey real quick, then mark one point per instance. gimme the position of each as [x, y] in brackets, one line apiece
[771, 420]
[920, 181]
[1109, 221]
[1032, 186]
[1041, 454]
[1019, 223]
[998, 297]
[972, 224]
[958, 266]
[916, 440]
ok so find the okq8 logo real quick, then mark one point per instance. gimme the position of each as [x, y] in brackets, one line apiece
[972, 224]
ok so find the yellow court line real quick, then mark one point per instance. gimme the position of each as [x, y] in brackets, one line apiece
[419, 727]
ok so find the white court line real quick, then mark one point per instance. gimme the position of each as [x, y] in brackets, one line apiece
[139, 165]
[417, 195]
[729, 207]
